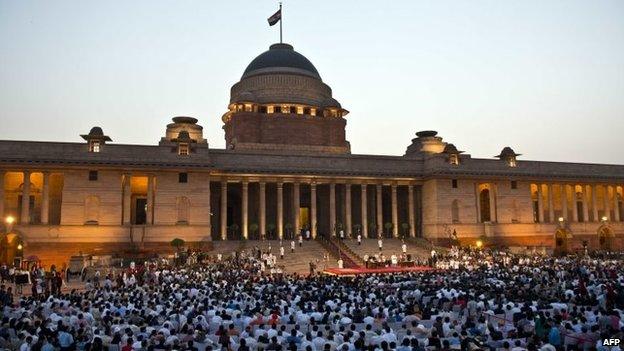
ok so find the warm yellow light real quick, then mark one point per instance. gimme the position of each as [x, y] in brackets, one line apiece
[19, 246]
[10, 220]
[479, 243]
[560, 219]
[604, 218]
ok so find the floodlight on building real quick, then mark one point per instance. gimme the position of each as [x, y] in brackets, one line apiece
[479, 244]
[9, 220]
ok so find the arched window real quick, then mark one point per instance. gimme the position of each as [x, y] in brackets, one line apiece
[455, 211]
[183, 206]
[92, 209]
[484, 201]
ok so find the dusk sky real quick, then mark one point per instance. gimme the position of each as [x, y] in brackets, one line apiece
[544, 77]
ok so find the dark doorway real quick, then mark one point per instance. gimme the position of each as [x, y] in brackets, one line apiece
[140, 211]
[484, 199]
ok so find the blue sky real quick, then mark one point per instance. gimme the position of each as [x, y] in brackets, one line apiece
[544, 77]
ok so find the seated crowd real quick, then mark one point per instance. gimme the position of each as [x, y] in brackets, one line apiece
[477, 300]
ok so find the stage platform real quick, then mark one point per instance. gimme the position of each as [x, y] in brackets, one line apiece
[385, 270]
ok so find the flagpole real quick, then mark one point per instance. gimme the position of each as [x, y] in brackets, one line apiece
[281, 19]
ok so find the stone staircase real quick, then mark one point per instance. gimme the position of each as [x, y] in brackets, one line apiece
[299, 260]
[390, 246]
[338, 250]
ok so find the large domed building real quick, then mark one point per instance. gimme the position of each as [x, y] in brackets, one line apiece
[288, 169]
[281, 103]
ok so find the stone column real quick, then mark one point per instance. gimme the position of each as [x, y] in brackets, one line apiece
[493, 189]
[25, 215]
[224, 210]
[595, 202]
[332, 209]
[585, 205]
[296, 206]
[575, 215]
[2, 173]
[564, 201]
[540, 203]
[244, 209]
[616, 205]
[347, 207]
[127, 199]
[395, 214]
[262, 198]
[380, 224]
[45, 199]
[551, 207]
[280, 209]
[209, 208]
[313, 221]
[607, 205]
[150, 200]
[410, 201]
[364, 209]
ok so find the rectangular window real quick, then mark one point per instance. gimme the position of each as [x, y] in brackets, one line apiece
[93, 175]
[454, 183]
[183, 149]
[293, 109]
[183, 177]
[262, 109]
[514, 184]
[306, 111]
[94, 146]
[277, 109]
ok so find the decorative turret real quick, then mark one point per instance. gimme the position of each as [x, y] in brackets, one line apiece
[509, 156]
[95, 139]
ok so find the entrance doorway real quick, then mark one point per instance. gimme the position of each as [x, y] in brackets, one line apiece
[140, 211]
[304, 218]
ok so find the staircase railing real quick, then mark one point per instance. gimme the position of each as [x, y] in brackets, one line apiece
[335, 251]
[346, 249]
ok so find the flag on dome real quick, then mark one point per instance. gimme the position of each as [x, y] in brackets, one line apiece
[276, 17]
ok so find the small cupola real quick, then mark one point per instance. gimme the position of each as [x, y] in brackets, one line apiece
[452, 154]
[509, 156]
[184, 142]
[96, 139]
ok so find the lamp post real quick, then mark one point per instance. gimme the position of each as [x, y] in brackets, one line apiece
[9, 220]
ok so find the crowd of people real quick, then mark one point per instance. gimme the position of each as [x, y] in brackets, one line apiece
[476, 300]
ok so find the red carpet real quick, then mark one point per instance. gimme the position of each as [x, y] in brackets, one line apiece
[362, 270]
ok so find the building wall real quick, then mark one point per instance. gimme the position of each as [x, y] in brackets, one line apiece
[77, 188]
[169, 195]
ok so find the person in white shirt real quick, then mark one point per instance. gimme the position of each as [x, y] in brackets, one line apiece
[404, 248]
[380, 244]
[300, 240]
[359, 239]
[281, 252]
[292, 246]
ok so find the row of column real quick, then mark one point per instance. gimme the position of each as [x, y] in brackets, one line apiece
[25, 205]
[313, 209]
[608, 204]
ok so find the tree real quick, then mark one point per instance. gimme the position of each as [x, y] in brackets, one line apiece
[271, 230]
[177, 243]
[253, 228]
[405, 227]
[339, 227]
[234, 229]
[288, 228]
[388, 227]
[372, 228]
[357, 228]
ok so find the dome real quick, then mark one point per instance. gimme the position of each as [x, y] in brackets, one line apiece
[245, 96]
[281, 58]
[331, 102]
[96, 131]
[507, 152]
